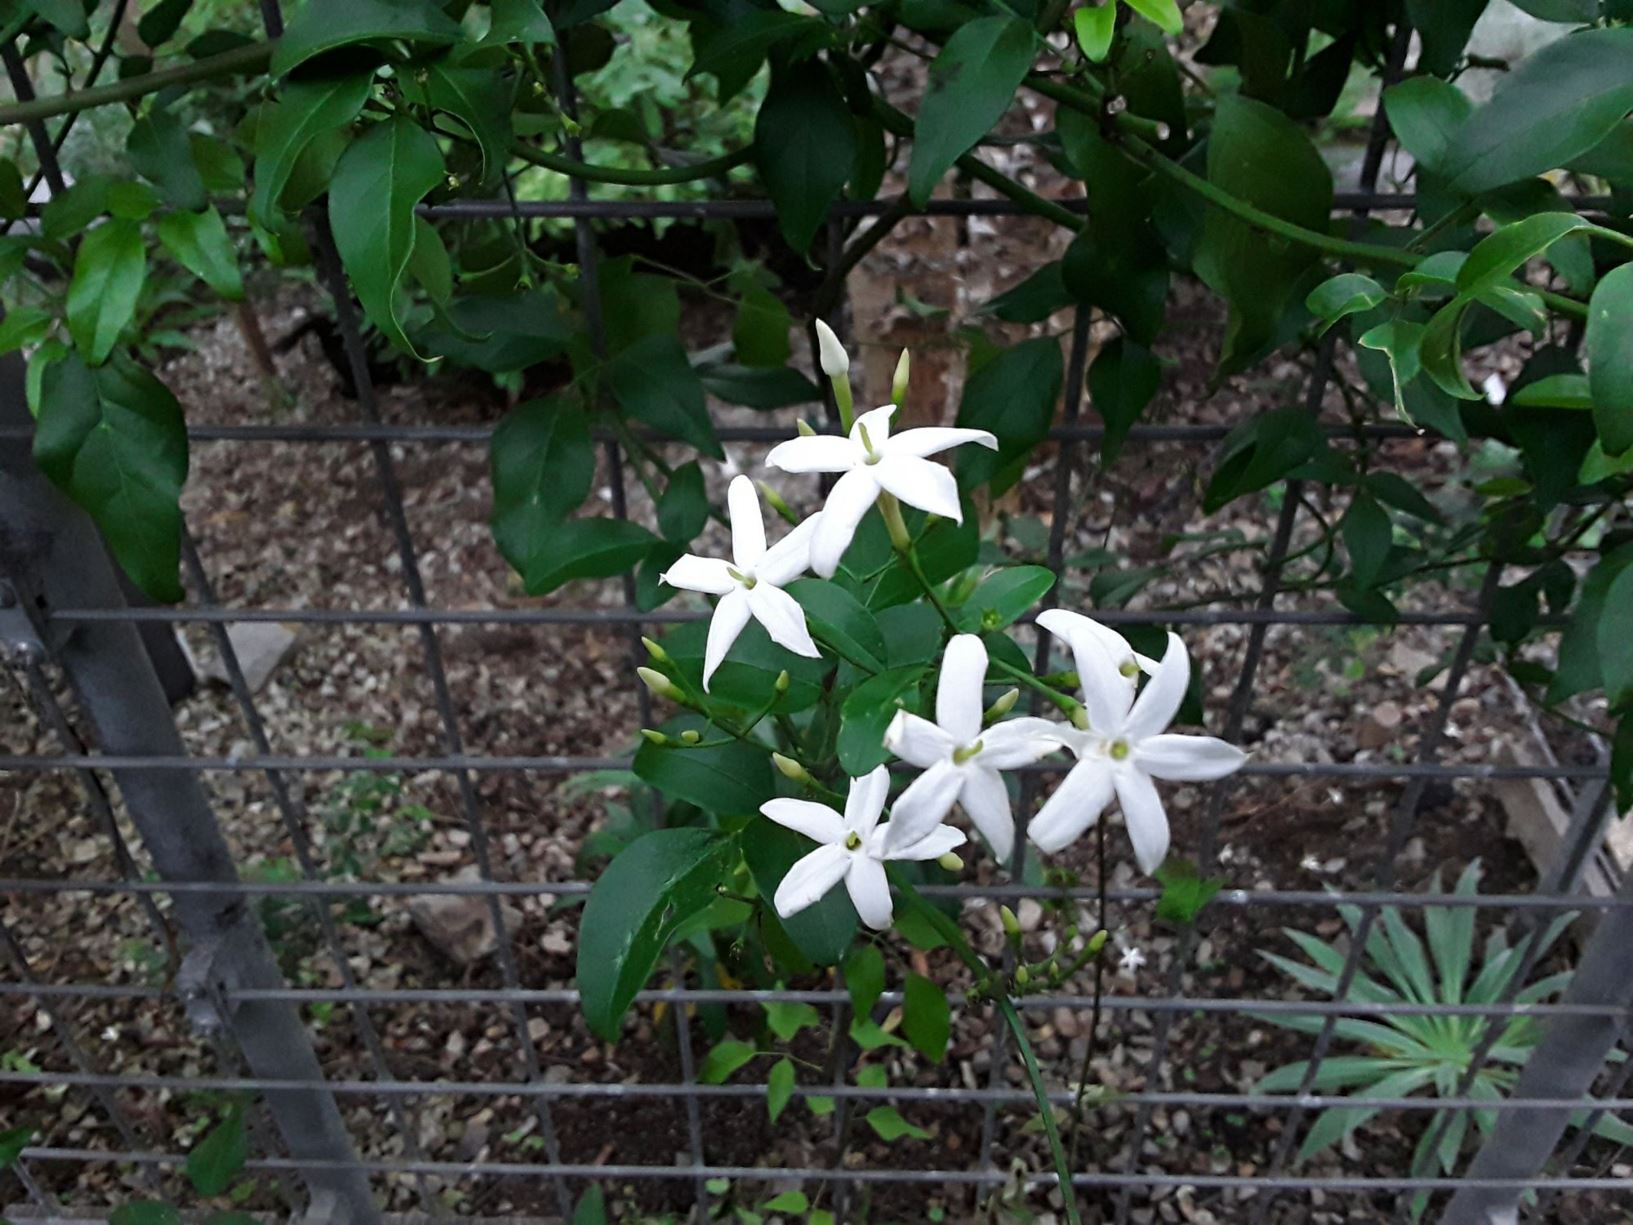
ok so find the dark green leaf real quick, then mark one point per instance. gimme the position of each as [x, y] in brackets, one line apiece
[114, 440]
[1014, 396]
[684, 507]
[519, 21]
[286, 128]
[377, 182]
[318, 28]
[759, 335]
[13, 195]
[159, 24]
[161, 153]
[658, 882]
[865, 714]
[747, 677]
[1567, 391]
[1506, 251]
[542, 463]
[66, 15]
[1580, 659]
[589, 548]
[1621, 761]
[971, 84]
[804, 147]
[1609, 343]
[1576, 11]
[1036, 298]
[728, 779]
[653, 381]
[1260, 452]
[12, 1142]
[732, 51]
[723, 1059]
[1368, 534]
[200, 244]
[481, 99]
[779, 1088]
[926, 1019]
[1444, 27]
[837, 617]
[217, 1159]
[888, 1125]
[591, 1208]
[864, 972]
[108, 273]
[1003, 597]
[1615, 637]
[1345, 294]
[1124, 378]
[24, 325]
[1184, 892]
[1556, 106]
[762, 389]
[822, 932]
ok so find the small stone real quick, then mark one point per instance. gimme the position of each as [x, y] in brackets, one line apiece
[460, 926]
[261, 647]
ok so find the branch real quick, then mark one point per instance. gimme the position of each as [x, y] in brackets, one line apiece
[228, 63]
[712, 168]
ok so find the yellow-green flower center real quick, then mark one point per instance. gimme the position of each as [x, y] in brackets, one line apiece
[1118, 749]
[748, 580]
[1129, 669]
[853, 841]
[966, 753]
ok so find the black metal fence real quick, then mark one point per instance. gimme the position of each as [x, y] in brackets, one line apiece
[63, 619]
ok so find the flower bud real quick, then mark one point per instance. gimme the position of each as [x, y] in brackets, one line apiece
[1022, 976]
[654, 737]
[830, 353]
[660, 684]
[774, 500]
[790, 769]
[783, 681]
[1097, 942]
[691, 736]
[803, 428]
[898, 382]
[950, 862]
[1012, 925]
[653, 649]
[1005, 703]
[1080, 716]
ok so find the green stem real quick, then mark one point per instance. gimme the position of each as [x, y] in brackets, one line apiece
[712, 168]
[951, 933]
[228, 63]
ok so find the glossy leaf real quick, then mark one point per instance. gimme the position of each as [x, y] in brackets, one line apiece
[653, 886]
[542, 463]
[159, 24]
[481, 100]
[1123, 380]
[971, 84]
[926, 1019]
[1609, 342]
[1014, 397]
[822, 933]
[519, 21]
[1094, 25]
[161, 153]
[587, 548]
[318, 28]
[1036, 298]
[1508, 250]
[804, 147]
[285, 129]
[200, 244]
[1345, 294]
[109, 270]
[1004, 597]
[1164, 14]
[836, 616]
[866, 712]
[1261, 452]
[1614, 634]
[653, 381]
[217, 1159]
[779, 1088]
[888, 1124]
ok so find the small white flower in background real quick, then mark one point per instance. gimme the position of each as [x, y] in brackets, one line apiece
[751, 584]
[1124, 749]
[875, 461]
[1131, 961]
[959, 760]
[1496, 391]
[854, 848]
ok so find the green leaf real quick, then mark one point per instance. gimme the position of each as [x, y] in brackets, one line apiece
[159, 24]
[888, 1125]
[1094, 25]
[108, 273]
[1426, 113]
[481, 99]
[318, 28]
[653, 381]
[1368, 534]
[1259, 155]
[1034, 299]
[144, 1212]
[161, 153]
[837, 617]
[779, 1088]
[285, 129]
[1496, 257]
[1124, 378]
[786, 1020]
[804, 147]
[519, 21]
[865, 714]
[23, 326]
[114, 440]
[12, 1142]
[1441, 351]
[13, 196]
[762, 389]
[377, 182]
[586, 548]
[199, 243]
[788, 1201]
[1444, 27]
[732, 50]
[592, 1207]
[864, 973]
[1164, 14]
[926, 1019]
[822, 932]
[1615, 638]
[1013, 396]
[759, 335]
[1184, 892]
[1555, 107]
[1345, 294]
[217, 1159]
[728, 780]
[1609, 343]
[724, 1059]
[66, 15]
[653, 886]
[971, 84]
[1003, 597]
[683, 510]
[1260, 452]
[1569, 391]
[542, 463]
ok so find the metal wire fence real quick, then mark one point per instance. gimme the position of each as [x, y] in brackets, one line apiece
[62, 619]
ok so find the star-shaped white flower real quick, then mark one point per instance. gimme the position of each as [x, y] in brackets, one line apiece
[1124, 749]
[751, 584]
[960, 761]
[874, 461]
[1074, 629]
[854, 848]
[1130, 961]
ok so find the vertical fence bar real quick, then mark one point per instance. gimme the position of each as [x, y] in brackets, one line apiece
[1572, 1152]
[51, 554]
[292, 815]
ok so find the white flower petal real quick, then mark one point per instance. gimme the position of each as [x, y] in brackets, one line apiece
[1107, 693]
[958, 695]
[934, 845]
[924, 805]
[815, 453]
[866, 800]
[930, 440]
[918, 482]
[747, 523]
[876, 423]
[693, 573]
[1188, 759]
[809, 880]
[731, 614]
[816, 821]
[782, 617]
[1020, 742]
[1143, 814]
[1159, 701]
[1070, 626]
[870, 891]
[790, 557]
[852, 496]
[830, 353]
[918, 741]
[986, 800]
[1074, 807]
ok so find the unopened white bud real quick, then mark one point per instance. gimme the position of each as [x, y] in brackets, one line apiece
[830, 353]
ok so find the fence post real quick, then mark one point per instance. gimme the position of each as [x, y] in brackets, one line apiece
[52, 556]
[1565, 1064]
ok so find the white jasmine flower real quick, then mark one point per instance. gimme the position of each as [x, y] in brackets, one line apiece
[854, 847]
[751, 584]
[960, 761]
[1124, 749]
[874, 461]
[1074, 629]
[1130, 961]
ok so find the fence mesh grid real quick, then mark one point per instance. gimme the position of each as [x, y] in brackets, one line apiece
[1126, 1183]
